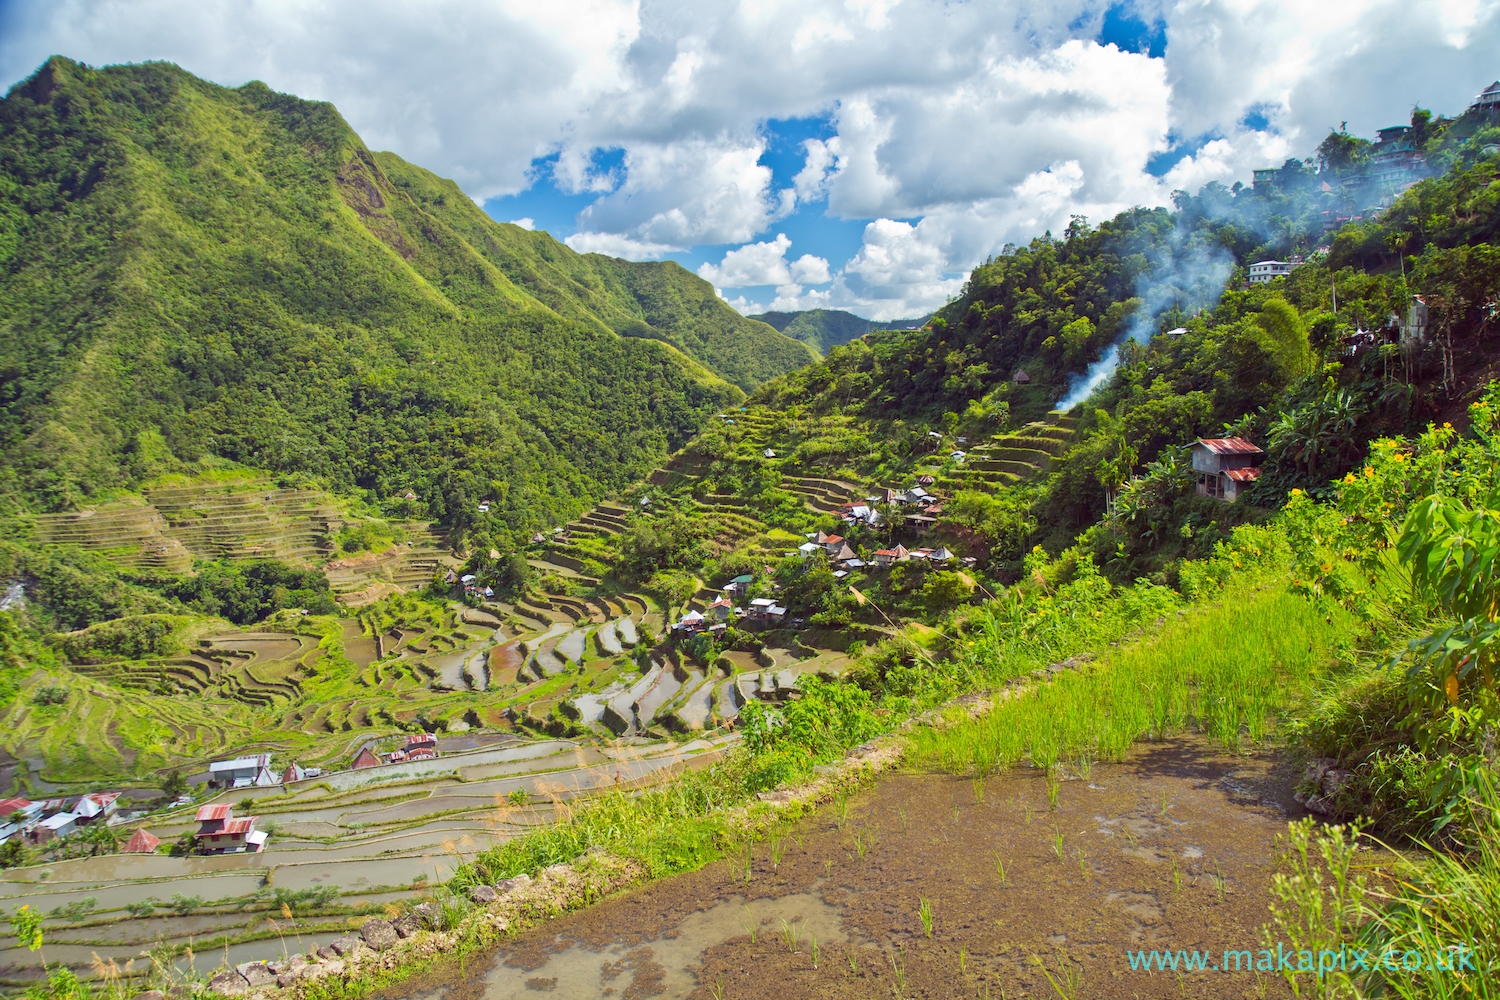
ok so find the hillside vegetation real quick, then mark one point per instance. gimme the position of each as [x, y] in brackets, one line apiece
[193, 273]
[825, 329]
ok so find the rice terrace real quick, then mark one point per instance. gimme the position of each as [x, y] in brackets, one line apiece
[549, 582]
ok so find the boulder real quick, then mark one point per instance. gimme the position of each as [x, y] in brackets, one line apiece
[258, 974]
[1321, 786]
[406, 926]
[378, 934]
[229, 984]
[344, 946]
[425, 914]
[291, 970]
[483, 895]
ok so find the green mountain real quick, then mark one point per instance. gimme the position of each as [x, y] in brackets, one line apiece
[191, 274]
[825, 329]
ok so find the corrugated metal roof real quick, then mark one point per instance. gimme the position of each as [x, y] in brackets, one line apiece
[1231, 446]
[215, 811]
[1249, 475]
[243, 824]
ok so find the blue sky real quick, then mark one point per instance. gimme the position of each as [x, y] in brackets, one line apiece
[855, 154]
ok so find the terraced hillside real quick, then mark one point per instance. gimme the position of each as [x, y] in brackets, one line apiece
[246, 516]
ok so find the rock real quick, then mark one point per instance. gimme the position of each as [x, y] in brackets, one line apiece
[291, 970]
[344, 946]
[378, 934]
[425, 914]
[406, 926]
[258, 974]
[151, 995]
[326, 953]
[483, 895]
[184, 991]
[512, 884]
[228, 983]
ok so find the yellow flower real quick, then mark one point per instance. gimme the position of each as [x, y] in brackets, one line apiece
[1369, 472]
[1296, 493]
[1398, 457]
[1447, 426]
[1349, 477]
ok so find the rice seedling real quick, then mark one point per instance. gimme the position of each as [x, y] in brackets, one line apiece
[1067, 981]
[898, 970]
[1176, 875]
[840, 811]
[717, 989]
[1083, 864]
[901, 813]
[853, 958]
[924, 912]
[963, 960]
[861, 845]
[751, 929]
[777, 845]
[827, 867]
[1085, 765]
[812, 949]
[1000, 869]
[1054, 789]
[978, 785]
[791, 936]
[1028, 814]
[955, 812]
[1165, 802]
[1057, 844]
[1221, 885]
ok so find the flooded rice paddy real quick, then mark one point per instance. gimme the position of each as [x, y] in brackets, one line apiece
[375, 835]
[1172, 850]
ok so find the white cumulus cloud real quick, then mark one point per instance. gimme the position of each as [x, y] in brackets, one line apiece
[765, 264]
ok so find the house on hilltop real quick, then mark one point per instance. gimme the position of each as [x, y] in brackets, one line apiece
[1488, 101]
[1226, 466]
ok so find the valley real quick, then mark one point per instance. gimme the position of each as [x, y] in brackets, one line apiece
[400, 602]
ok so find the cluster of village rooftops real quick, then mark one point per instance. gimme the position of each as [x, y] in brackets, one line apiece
[46, 820]
[1224, 468]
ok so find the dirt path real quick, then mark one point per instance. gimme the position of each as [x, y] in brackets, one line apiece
[1172, 850]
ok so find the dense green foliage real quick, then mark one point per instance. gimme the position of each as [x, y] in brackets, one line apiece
[248, 591]
[194, 273]
[134, 638]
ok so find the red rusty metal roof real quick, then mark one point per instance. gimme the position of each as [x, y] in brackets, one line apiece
[1249, 475]
[1231, 446]
[240, 825]
[215, 812]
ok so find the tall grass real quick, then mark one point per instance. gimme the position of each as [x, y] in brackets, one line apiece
[1229, 670]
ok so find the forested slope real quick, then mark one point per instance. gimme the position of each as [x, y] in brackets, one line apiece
[192, 273]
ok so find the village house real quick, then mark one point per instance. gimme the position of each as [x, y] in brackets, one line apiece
[141, 842]
[721, 608]
[1226, 466]
[738, 586]
[242, 772]
[417, 746]
[765, 611]
[96, 806]
[54, 827]
[1488, 101]
[692, 623]
[365, 758]
[889, 557]
[920, 523]
[1265, 270]
[221, 832]
[1021, 377]
[10, 807]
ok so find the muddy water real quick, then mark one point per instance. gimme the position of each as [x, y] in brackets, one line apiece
[1172, 850]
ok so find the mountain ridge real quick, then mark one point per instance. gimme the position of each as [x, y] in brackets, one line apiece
[194, 273]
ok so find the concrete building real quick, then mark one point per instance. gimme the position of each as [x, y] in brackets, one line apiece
[1266, 270]
[241, 772]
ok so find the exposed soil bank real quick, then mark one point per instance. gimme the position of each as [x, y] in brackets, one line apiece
[1172, 850]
